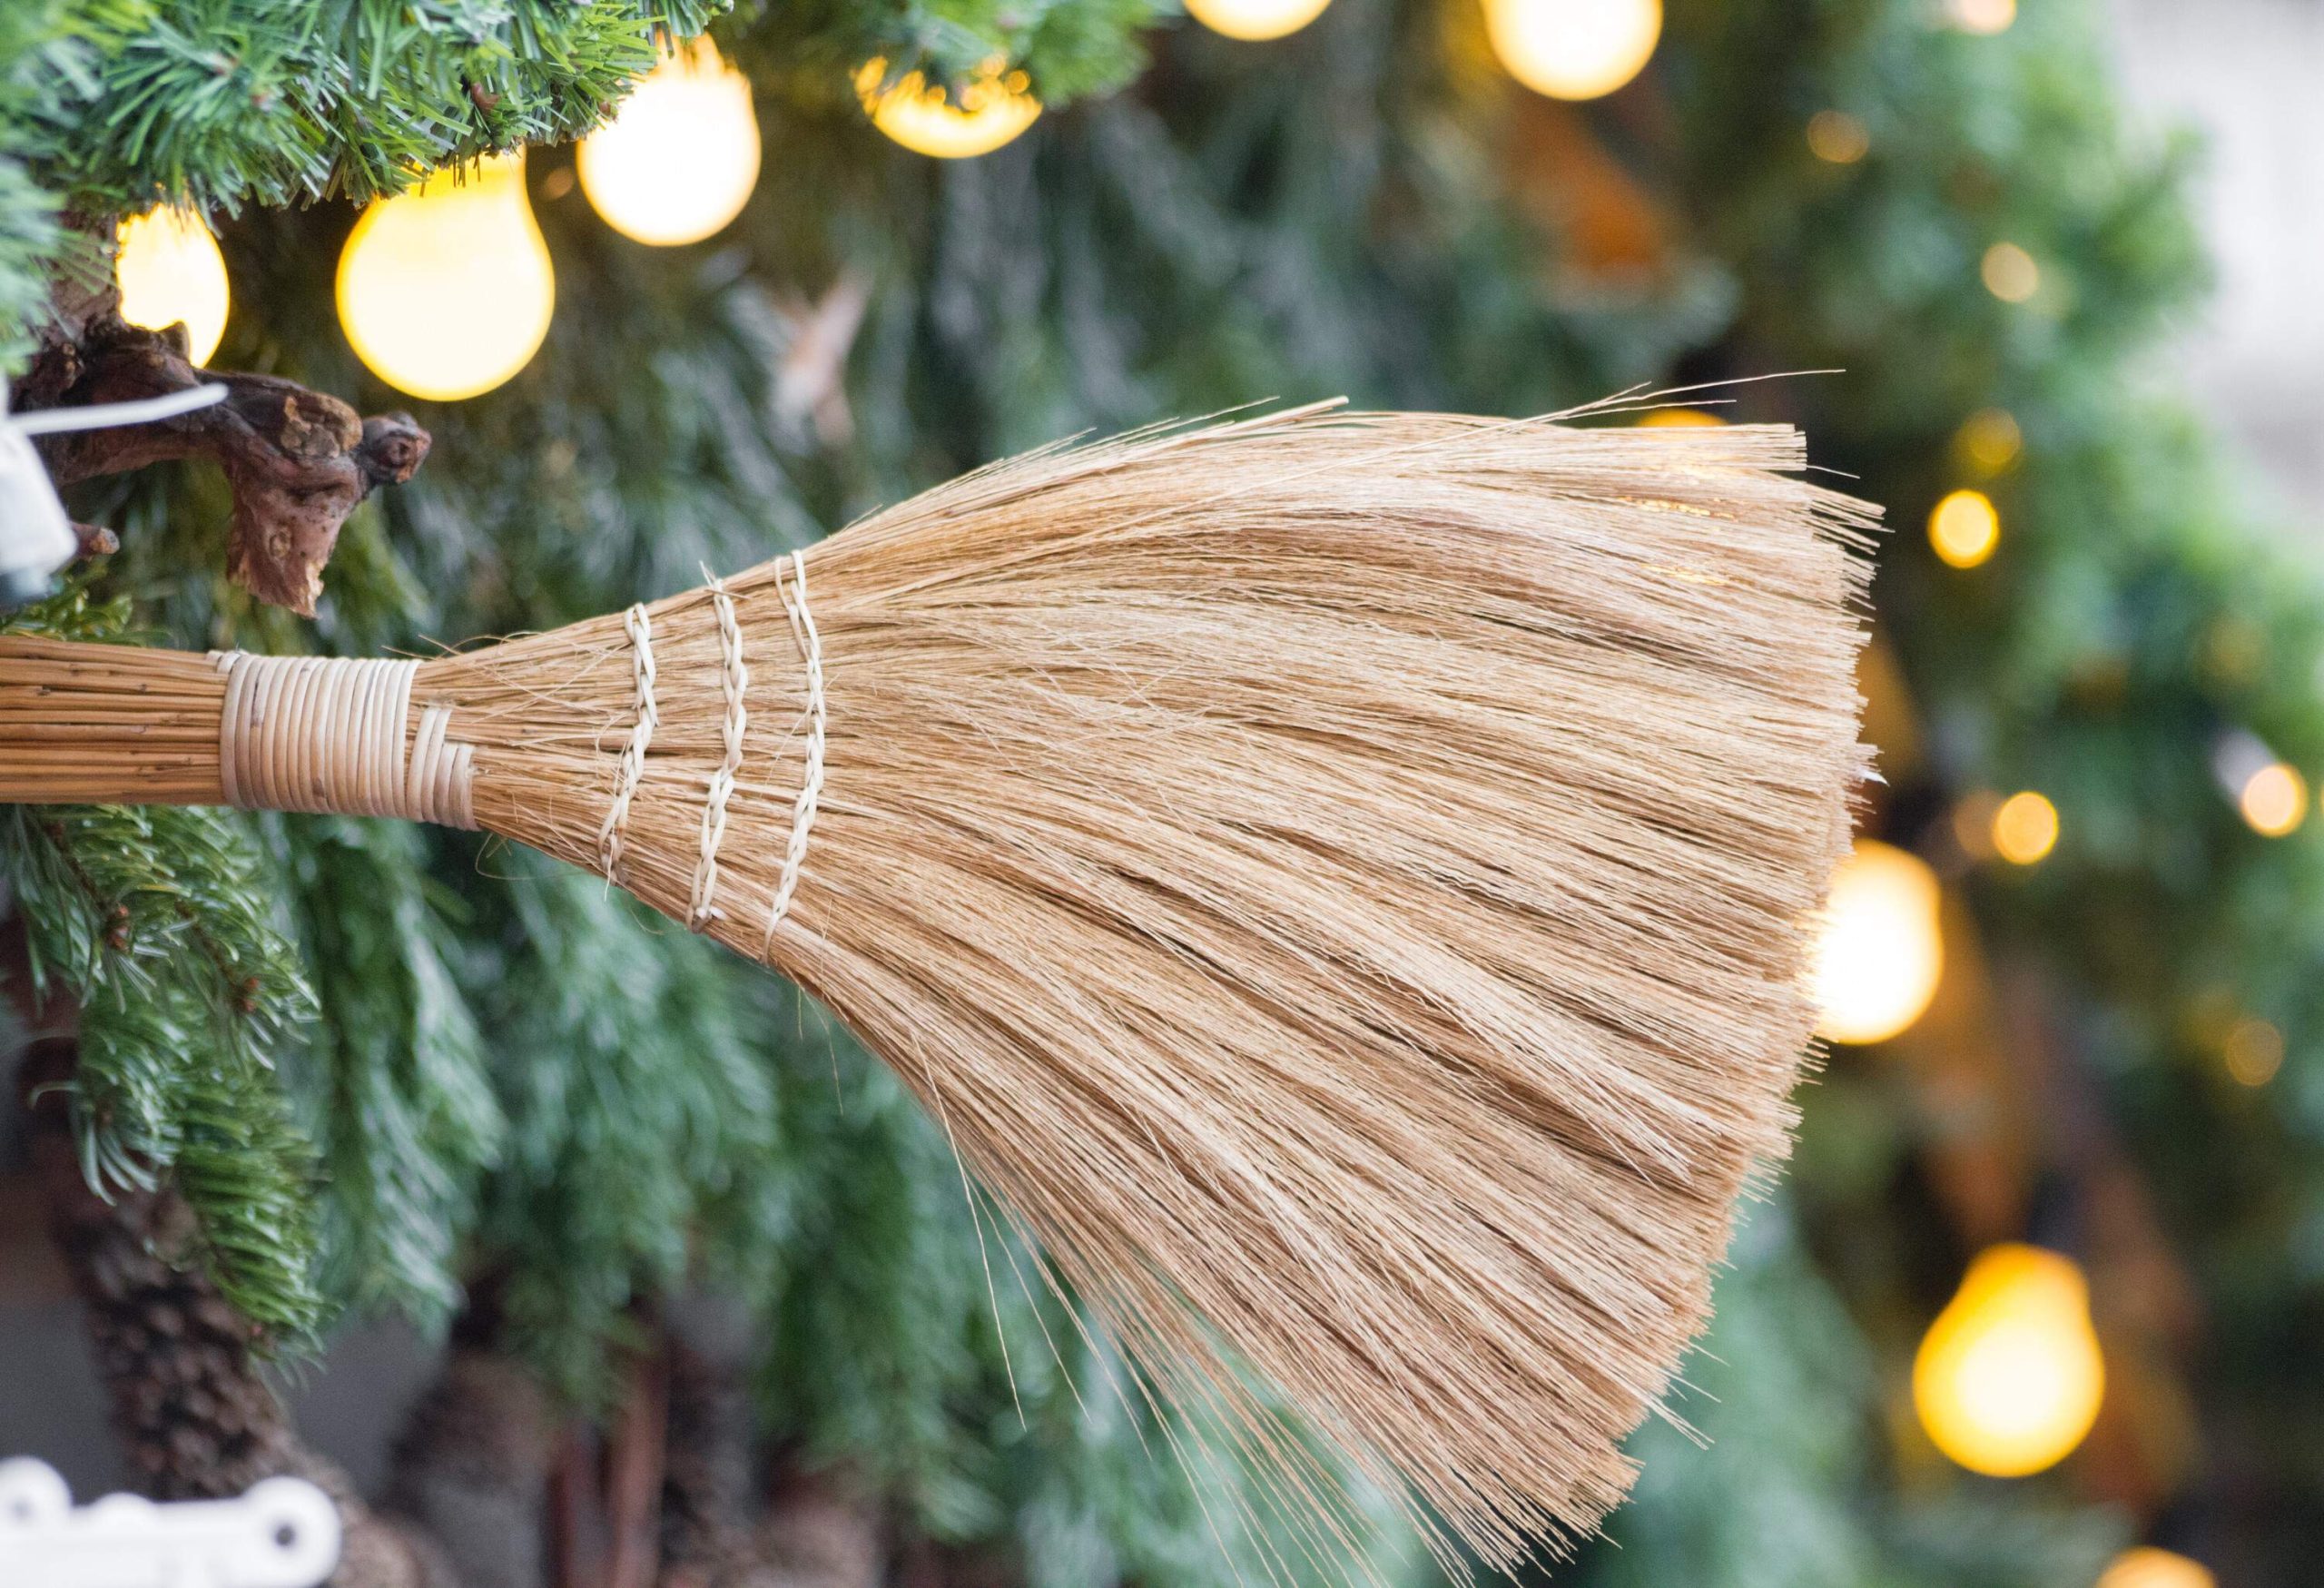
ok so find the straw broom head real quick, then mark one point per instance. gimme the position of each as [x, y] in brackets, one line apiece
[1343, 880]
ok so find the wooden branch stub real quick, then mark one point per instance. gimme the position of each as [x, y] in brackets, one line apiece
[298, 460]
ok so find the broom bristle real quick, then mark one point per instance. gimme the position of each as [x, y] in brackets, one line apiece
[1345, 881]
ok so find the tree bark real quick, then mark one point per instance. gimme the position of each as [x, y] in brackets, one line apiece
[297, 461]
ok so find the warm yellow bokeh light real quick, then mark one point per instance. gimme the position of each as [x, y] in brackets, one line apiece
[1661, 418]
[1573, 49]
[2147, 1567]
[1964, 528]
[445, 292]
[1879, 953]
[169, 270]
[2009, 1378]
[2010, 273]
[2253, 1052]
[1255, 19]
[1981, 16]
[2273, 800]
[1839, 137]
[2025, 827]
[993, 107]
[679, 159]
[1989, 441]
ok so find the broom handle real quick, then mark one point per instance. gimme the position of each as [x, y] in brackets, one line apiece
[126, 724]
[108, 724]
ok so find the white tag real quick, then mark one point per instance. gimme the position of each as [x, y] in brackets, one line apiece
[283, 1533]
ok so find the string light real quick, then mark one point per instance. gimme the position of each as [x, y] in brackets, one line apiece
[2148, 1567]
[2025, 828]
[1879, 953]
[1255, 20]
[1964, 528]
[2009, 1378]
[170, 272]
[1837, 137]
[2010, 273]
[1985, 16]
[1989, 441]
[445, 292]
[2253, 1052]
[1682, 418]
[994, 107]
[1573, 49]
[679, 159]
[2273, 800]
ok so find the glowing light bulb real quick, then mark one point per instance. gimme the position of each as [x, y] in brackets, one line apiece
[1682, 416]
[2010, 273]
[1986, 16]
[994, 107]
[679, 159]
[2273, 800]
[1255, 19]
[1573, 49]
[2025, 827]
[2009, 1378]
[169, 270]
[1964, 528]
[2147, 1567]
[1879, 954]
[446, 290]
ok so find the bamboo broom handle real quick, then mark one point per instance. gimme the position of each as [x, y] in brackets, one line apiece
[103, 723]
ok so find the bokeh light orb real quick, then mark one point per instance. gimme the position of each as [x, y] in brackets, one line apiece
[992, 108]
[2148, 1567]
[1573, 49]
[445, 292]
[2025, 827]
[1964, 528]
[2273, 800]
[170, 272]
[2009, 1378]
[1880, 950]
[1255, 20]
[680, 157]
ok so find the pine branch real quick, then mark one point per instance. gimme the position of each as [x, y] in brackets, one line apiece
[158, 923]
[179, 1364]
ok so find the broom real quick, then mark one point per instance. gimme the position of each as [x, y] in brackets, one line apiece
[1343, 880]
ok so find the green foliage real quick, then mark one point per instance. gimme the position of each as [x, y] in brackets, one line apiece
[392, 1080]
[160, 922]
[639, 1116]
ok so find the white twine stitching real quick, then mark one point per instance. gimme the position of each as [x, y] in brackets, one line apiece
[733, 679]
[641, 735]
[326, 735]
[810, 783]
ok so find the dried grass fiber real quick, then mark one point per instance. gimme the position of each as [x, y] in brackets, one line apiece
[1342, 879]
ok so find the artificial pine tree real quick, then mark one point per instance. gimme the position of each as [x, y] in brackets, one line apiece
[382, 1070]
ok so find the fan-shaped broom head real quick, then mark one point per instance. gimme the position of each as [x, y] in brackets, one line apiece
[1343, 880]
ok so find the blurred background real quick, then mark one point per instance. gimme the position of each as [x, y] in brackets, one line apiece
[2041, 1301]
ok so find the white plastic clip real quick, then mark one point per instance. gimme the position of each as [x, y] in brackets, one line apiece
[283, 1533]
[35, 537]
